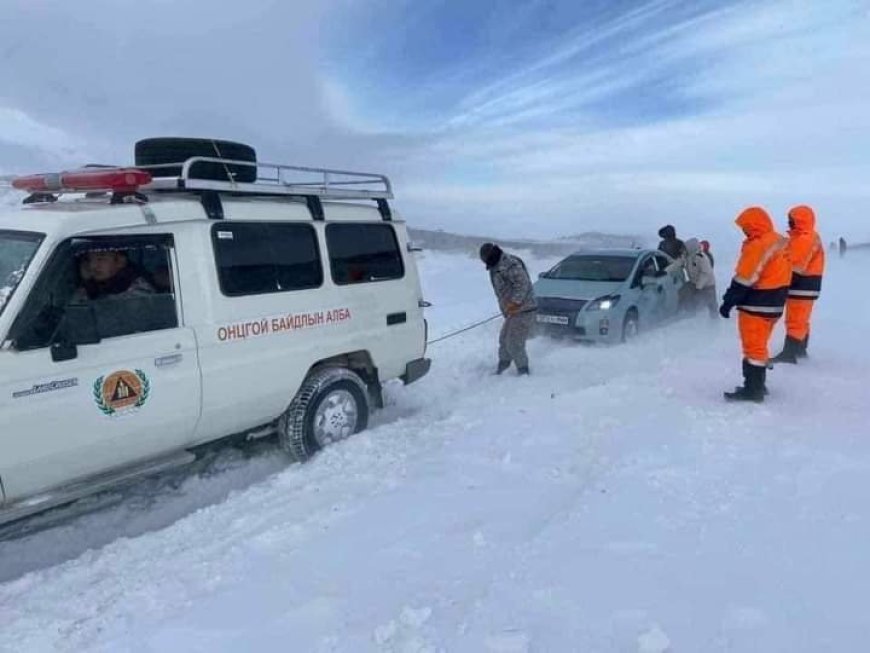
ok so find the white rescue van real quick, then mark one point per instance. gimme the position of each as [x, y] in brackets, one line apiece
[147, 311]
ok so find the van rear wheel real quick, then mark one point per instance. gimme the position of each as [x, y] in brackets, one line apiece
[330, 406]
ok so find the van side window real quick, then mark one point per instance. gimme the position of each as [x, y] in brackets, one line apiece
[266, 257]
[109, 286]
[361, 253]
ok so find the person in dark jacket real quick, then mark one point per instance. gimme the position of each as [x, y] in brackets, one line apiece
[516, 300]
[670, 244]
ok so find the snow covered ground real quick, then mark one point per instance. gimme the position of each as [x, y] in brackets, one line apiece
[611, 502]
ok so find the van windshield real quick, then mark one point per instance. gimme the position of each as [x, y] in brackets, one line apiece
[16, 251]
[593, 268]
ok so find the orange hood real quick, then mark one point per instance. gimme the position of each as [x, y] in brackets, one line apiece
[754, 222]
[803, 220]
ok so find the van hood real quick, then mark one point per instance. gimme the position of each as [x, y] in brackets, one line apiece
[573, 289]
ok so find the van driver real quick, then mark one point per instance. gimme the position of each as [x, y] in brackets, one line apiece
[107, 274]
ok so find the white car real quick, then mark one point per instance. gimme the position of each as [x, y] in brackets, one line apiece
[175, 305]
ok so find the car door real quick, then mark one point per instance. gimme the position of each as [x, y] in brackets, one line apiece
[75, 410]
[651, 291]
[671, 281]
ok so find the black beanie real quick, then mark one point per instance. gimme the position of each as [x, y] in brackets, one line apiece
[667, 232]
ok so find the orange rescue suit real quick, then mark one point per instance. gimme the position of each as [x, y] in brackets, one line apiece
[760, 285]
[807, 256]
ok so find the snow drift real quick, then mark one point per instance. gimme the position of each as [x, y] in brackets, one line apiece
[611, 502]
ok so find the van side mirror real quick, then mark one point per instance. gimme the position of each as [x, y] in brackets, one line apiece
[77, 327]
[61, 351]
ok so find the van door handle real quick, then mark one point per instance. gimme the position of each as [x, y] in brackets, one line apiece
[396, 318]
[166, 361]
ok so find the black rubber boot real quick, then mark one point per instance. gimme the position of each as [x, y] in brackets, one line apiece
[502, 366]
[802, 348]
[762, 382]
[523, 371]
[754, 388]
[789, 352]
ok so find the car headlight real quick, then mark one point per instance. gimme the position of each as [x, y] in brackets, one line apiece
[603, 303]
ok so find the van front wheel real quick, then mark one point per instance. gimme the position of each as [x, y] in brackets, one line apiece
[330, 406]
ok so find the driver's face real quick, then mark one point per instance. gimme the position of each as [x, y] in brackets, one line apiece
[105, 265]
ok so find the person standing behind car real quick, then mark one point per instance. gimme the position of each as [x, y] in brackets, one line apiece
[701, 278]
[670, 244]
[516, 300]
[705, 246]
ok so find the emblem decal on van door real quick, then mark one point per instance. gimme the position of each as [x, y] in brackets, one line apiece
[121, 391]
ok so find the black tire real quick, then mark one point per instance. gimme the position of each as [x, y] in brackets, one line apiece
[297, 428]
[630, 325]
[158, 151]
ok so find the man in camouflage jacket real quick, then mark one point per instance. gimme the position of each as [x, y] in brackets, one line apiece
[513, 290]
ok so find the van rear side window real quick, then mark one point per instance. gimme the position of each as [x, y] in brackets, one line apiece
[266, 257]
[362, 253]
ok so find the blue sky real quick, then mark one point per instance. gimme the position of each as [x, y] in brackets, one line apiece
[533, 118]
[448, 63]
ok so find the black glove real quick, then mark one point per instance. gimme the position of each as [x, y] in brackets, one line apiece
[734, 296]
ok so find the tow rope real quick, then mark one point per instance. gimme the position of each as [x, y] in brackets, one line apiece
[453, 334]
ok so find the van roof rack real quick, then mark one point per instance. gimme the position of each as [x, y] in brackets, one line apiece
[271, 179]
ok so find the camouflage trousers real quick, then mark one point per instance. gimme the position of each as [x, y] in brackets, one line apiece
[512, 339]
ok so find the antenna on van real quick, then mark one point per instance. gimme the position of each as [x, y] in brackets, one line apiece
[230, 176]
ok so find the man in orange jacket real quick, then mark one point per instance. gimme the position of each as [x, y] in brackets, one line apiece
[807, 256]
[758, 290]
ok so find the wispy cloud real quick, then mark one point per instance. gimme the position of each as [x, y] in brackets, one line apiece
[656, 111]
[522, 116]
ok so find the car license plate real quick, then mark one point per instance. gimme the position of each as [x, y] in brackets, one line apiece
[553, 319]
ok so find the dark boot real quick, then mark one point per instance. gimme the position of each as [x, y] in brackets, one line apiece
[762, 383]
[523, 371]
[789, 352]
[502, 366]
[753, 389]
[802, 349]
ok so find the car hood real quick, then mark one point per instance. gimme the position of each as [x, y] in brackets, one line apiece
[571, 289]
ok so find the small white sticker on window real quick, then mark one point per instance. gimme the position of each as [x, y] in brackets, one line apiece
[225, 235]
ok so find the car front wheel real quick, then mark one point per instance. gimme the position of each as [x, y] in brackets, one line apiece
[630, 326]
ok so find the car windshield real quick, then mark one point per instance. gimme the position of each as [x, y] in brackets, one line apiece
[16, 251]
[593, 268]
